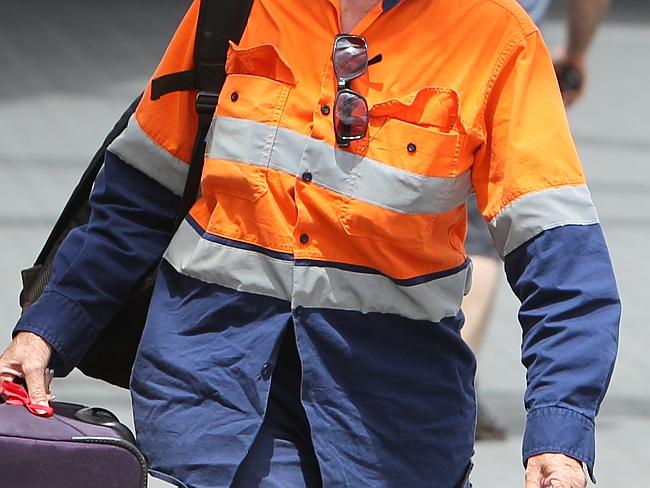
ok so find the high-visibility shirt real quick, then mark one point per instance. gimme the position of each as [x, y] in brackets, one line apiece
[359, 249]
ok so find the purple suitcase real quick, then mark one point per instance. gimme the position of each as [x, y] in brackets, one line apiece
[78, 447]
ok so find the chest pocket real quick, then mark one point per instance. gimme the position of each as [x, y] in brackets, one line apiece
[241, 140]
[409, 173]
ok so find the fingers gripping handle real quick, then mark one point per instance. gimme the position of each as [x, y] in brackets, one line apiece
[15, 394]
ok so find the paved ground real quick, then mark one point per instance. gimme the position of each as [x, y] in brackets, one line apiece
[67, 75]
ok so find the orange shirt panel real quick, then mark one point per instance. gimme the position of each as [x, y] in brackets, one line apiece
[454, 103]
[171, 120]
[529, 147]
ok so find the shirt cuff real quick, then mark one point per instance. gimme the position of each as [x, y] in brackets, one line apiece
[560, 430]
[64, 325]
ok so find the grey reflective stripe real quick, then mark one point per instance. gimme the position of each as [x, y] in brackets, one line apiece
[312, 286]
[136, 148]
[238, 269]
[246, 142]
[334, 288]
[341, 171]
[533, 213]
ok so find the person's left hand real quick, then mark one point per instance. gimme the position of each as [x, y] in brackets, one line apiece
[551, 470]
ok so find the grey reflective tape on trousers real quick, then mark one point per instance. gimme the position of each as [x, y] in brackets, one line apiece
[313, 286]
[136, 148]
[533, 213]
[343, 172]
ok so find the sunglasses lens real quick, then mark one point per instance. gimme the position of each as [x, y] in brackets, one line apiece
[350, 57]
[350, 116]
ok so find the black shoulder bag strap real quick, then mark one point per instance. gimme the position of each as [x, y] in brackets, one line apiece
[220, 21]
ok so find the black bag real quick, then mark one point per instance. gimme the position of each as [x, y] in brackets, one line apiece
[111, 357]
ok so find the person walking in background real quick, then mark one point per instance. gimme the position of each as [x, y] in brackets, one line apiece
[570, 62]
[304, 330]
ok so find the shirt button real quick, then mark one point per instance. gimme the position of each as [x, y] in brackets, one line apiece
[304, 238]
[325, 109]
[307, 176]
[411, 147]
[299, 310]
[267, 369]
[234, 96]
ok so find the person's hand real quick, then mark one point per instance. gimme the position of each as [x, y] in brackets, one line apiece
[27, 357]
[571, 74]
[551, 470]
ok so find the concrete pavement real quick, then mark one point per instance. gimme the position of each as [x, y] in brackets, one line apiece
[67, 74]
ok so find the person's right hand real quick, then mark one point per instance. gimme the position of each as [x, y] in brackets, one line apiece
[27, 357]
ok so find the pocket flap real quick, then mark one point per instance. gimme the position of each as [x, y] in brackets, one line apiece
[264, 60]
[430, 106]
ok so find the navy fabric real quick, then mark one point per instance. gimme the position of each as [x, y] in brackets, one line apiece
[390, 401]
[98, 264]
[201, 380]
[569, 314]
[282, 454]
[389, 4]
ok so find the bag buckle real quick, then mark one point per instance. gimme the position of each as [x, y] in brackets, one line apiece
[206, 102]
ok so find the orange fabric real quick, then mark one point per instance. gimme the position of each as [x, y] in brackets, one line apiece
[470, 89]
[401, 246]
[171, 120]
[528, 142]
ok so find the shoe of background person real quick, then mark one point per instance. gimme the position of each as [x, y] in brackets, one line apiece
[488, 428]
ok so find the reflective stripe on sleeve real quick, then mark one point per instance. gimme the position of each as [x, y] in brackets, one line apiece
[251, 269]
[533, 213]
[136, 148]
[373, 182]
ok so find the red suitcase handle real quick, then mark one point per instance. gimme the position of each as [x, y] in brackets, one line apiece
[15, 394]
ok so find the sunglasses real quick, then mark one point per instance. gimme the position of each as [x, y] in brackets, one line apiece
[350, 59]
